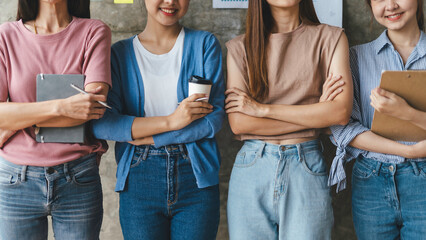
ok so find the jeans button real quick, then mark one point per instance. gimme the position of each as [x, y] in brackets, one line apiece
[391, 168]
[50, 170]
[282, 148]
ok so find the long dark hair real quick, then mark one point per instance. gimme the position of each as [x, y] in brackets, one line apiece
[419, 13]
[28, 9]
[259, 24]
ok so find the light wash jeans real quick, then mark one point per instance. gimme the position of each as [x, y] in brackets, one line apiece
[162, 201]
[71, 193]
[389, 200]
[279, 192]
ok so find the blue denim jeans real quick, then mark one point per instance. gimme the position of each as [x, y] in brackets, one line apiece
[389, 200]
[279, 192]
[71, 193]
[162, 201]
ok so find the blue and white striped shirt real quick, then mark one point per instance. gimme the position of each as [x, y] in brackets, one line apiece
[367, 63]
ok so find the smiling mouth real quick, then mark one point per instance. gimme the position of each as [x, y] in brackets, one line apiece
[394, 17]
[169, 11]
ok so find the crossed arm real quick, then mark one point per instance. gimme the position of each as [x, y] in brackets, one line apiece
[66, 112]
[246, 116]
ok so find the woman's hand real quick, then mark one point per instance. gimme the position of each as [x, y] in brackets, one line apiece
[389, 103]
[83, 106]
[239, 101]
[5, 135]
[331, 88]
[143, 141]
[188, 111]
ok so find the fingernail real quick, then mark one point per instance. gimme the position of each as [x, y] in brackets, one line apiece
[341, 82]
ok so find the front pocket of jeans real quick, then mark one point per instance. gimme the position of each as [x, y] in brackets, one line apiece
[245, 159]
[422, 168]
[136, 160]
[314, 163]
[87, 177]
[361, 171]
[8, 179]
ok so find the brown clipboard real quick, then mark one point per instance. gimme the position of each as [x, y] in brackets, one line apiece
[410, 85]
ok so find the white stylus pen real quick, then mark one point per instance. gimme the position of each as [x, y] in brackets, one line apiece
[84, 92]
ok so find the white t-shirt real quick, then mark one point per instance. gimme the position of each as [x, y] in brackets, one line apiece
[160, 74]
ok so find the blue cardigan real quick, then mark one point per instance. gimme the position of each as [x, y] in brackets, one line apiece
[202, 56]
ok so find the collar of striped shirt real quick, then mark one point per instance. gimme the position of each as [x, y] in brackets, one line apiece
[383, 42]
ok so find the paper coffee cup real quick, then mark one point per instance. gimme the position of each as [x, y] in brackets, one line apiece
[199, 85]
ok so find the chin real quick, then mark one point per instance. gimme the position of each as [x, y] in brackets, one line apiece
[169, 23]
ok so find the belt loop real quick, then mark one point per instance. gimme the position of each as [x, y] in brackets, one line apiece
[182, 150]
[66, 172]
[300, 151]
[321, 145]
[24, 173]
[415, 168]
[261, 149]
[145, 153]
[378, 167]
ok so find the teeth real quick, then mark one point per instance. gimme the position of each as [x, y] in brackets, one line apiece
[395, 16]
[168, 10]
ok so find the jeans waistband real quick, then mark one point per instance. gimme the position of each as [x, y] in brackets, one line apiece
[390, 168]
[66, 168]
[298, 148]
[175, 149]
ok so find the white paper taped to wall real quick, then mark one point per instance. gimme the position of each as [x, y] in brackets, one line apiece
[328, 11]
[230, 3]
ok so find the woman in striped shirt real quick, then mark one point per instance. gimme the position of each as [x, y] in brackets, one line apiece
[389, 177]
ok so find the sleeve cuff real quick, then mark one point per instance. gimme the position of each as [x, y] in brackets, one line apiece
[164, 139]
[114, 127]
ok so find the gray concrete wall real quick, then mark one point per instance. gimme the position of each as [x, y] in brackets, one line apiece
[126, 20]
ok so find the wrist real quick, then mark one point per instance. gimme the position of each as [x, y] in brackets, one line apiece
[408, 151]
[263, 110]
[409, 114]
[170, 124]
[57, 109]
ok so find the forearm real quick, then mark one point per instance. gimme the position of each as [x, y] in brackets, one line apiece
[244, 124]
[418, 118]
[143, 141]
[15, 116]
[318, 115]
[143, 127]
[372, 142]
[61, 122]
[5, 135]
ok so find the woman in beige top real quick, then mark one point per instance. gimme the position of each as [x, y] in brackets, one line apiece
[278, 99]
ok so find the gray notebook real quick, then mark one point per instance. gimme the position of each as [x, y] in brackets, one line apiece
[57, 86]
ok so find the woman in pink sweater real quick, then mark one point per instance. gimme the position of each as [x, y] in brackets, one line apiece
[56, 179]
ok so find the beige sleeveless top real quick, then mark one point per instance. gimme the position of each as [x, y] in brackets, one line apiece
[298, 64]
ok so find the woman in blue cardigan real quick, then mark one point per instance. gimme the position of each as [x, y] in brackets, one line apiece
[168, 159]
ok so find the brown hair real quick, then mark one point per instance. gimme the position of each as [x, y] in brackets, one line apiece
[259, 24]
[419, 14]
[28, 9]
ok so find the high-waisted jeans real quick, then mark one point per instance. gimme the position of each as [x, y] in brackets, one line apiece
[389, 200]
[71, 193]
[279, 192]
[162, 201]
